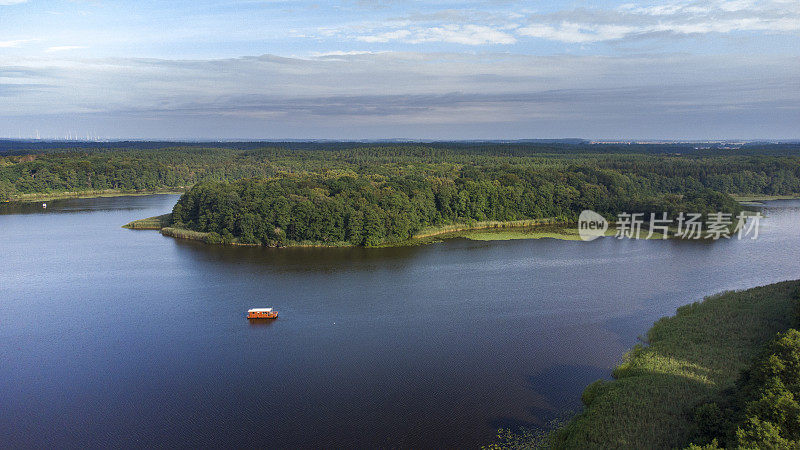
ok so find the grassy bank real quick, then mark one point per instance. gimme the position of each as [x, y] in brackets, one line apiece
[162, 223]
[690, 358]
[763, 198]
[487, 225]
[499, 231]
[150, 223]
[182, 233]
[42, 197]
[564, 233]
[561, 232]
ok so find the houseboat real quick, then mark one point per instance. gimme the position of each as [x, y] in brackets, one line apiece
[261, 313]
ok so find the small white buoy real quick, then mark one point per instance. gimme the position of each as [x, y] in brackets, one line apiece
[44, 205]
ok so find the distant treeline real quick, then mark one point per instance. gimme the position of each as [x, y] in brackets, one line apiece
[515, 147]
[658, 169]
[385, 193]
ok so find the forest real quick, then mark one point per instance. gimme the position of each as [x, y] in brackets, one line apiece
[769, 169]
[286, 210]
[373, 194]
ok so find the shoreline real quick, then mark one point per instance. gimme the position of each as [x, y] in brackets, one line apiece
[482, 231]
[151, 223]
[547, 228]
[557, 230]
[763, 198]
[486, 225]
[686, 359]
[33, 198]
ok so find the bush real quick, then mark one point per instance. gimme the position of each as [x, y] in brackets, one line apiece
[592, 392]
[711, 420]
[762, 411]
[213, 238]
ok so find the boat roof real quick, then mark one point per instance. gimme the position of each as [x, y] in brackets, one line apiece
[259, 310]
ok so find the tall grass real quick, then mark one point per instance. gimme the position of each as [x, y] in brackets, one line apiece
[690, 359]
[492, 224]
[183, 233]
[150, 223]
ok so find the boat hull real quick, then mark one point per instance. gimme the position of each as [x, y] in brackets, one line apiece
[262, 315]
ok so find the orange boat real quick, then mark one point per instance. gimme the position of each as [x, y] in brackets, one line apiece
[261, 313]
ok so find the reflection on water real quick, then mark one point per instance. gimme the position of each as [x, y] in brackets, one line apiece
[261, 323]
[145, 340]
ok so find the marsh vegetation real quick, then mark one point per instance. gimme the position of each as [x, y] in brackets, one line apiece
[716, 373]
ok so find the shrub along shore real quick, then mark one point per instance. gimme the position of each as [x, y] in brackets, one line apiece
[522, 229]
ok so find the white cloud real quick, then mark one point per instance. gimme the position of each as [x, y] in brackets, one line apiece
[466, 34]
[343, 53]
[580, 25]
[676, 18]
[426, 79]
[386, 36]
[455, 34]
[574, 33]
[62, 48]
[11, 2]
[15, 43]
[387, 91]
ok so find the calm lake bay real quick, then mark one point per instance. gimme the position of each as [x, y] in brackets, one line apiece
[125, 338]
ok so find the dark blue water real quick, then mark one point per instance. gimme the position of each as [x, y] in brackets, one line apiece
[116, 337]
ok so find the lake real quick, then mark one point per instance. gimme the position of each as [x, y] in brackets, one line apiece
[117, 337]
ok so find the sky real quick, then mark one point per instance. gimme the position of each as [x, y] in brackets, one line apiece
[400, 69]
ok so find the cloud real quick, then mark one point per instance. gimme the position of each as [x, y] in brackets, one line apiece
[386, 36]
[357, 94]
[575, 33]
[455, 34]
[62, 48]
[346, 78]
[336, 53]
[14, 43]
[380, 85]
[466, 34]
[11, 90]
[11, 2]
[581, 26]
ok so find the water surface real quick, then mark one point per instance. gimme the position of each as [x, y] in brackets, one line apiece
[116, 337]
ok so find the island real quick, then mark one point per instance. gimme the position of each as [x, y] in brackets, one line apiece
[372, 211]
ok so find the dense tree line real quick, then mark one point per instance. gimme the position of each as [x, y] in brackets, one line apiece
[124, 171]
[757, 170]
[373, 210]
[372, 194]
[497, 147]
